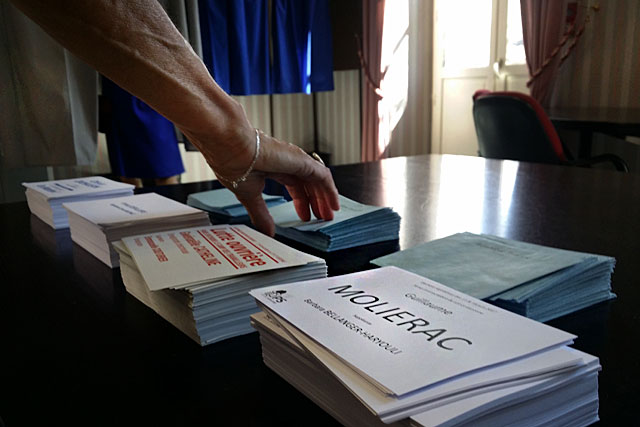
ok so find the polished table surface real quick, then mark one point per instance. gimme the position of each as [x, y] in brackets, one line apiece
[78, 350]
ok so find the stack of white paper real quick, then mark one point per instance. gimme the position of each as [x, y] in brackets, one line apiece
[355, 224]
[387, 346]
[45, 198]
[223, 206]
[199, 278]
[96, 224]
[536, 281]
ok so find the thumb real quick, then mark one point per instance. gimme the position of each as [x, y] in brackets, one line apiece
[259, 214]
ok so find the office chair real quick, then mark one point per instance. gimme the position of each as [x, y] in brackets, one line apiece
[513, 125]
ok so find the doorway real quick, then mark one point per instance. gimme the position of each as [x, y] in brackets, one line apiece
[477, 45]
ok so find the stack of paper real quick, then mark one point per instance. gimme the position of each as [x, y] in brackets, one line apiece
[536, 281]
[198, 278]
[96, 224]
[223, 205]
[388, 346]
[353, 225]
[45, 198]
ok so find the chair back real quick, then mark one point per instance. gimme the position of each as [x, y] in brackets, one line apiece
[513, 125]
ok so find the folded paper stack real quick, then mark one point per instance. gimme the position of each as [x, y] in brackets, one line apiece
[198, 279]
[355, 224]
[96, 224]
[224, 207]
[45, 198]
[388, 347]
[536, 281]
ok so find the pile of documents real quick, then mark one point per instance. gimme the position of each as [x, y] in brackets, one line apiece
[386, 346]
[355, 224]
[224, 207]
[45, 198]
[96, 224]
[199, 278]
[538, 282]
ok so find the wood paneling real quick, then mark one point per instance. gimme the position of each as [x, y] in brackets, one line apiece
[339, 118]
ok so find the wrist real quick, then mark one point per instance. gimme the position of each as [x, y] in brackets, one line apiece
[234, 182]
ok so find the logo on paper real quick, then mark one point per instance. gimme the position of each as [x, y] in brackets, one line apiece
[276, 296]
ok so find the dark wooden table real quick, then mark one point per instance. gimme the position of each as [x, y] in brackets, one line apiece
[78, 350]
[616, 122]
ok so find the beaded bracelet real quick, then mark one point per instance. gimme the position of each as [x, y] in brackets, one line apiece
[234, 182]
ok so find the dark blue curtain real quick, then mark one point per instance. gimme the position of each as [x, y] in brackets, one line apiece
[302, 46]
[235, 42]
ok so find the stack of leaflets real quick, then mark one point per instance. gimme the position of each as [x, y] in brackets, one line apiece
[538, 282]
[223, 206]
[199, 278]
[386, 346]
[355, 224]
[96, 224]
[45, 198]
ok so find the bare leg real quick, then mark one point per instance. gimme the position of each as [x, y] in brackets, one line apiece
[135, 181]
[168, 180]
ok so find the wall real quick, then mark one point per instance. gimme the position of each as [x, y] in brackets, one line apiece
[604, 71]
[604, 68]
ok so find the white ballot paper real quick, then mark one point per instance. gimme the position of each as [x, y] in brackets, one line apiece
[95, 224]
[183, 258]
[72, 188]
[45, 198]
[461, 398]
[132, 210]
[403, 332]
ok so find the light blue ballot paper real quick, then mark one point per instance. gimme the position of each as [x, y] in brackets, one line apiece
[355, 224]
[222, 201]
[483, 266]
[285, 215]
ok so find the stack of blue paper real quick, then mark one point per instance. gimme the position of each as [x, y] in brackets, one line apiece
[355, 224]
[223, 205]
[536, 281]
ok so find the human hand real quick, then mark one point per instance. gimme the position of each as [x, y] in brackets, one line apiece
[308, 181]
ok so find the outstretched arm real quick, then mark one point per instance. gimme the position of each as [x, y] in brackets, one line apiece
[135, 44]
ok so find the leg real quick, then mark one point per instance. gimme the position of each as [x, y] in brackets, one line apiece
[135, 181]
[168, 180]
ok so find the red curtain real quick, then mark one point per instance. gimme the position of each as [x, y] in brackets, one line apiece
[544, 35]
[372, 22]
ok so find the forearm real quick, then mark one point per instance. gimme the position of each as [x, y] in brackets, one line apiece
[135, 44]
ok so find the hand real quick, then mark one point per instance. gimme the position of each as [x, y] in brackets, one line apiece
[308, 181]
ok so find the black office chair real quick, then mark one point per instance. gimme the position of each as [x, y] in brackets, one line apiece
[513, 125]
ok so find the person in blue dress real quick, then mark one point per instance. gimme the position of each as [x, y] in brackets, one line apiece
[142, 144]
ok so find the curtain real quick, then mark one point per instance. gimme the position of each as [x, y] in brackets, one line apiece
[543, 32]
[372, 24]
[235, 45]
[48, 98]
[302, 46]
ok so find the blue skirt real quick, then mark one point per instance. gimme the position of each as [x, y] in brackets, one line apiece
[141, 142]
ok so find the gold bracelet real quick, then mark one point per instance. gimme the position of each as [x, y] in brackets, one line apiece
[234, 182]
